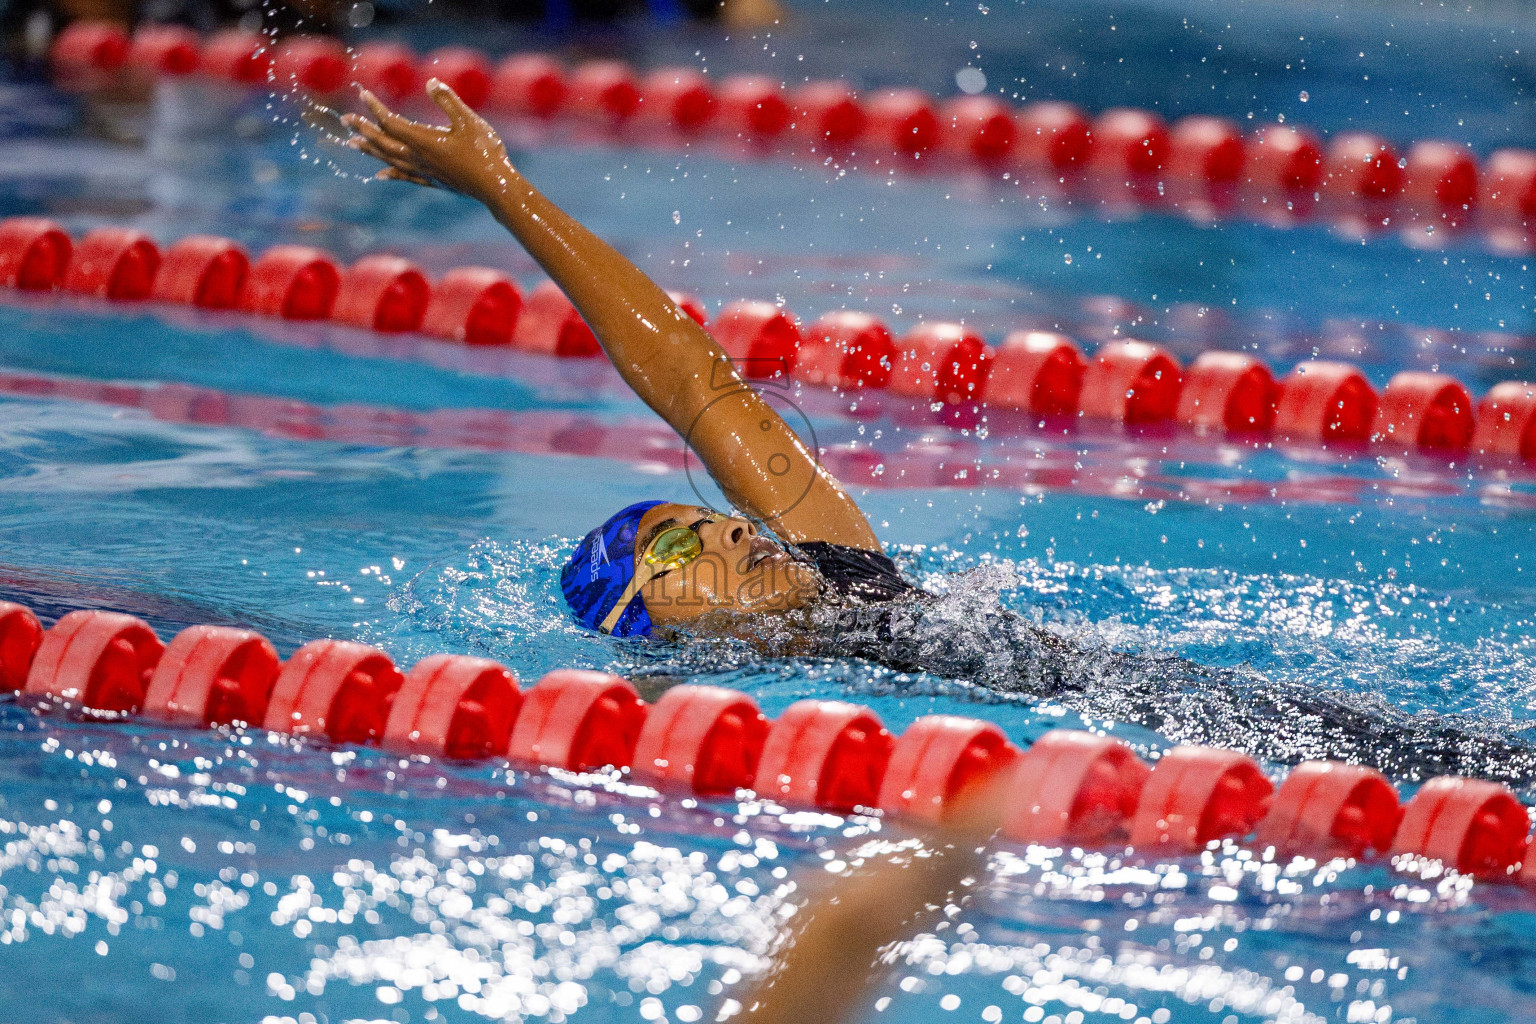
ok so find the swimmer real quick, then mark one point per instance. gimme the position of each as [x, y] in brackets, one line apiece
[660, 563]
[821, 585]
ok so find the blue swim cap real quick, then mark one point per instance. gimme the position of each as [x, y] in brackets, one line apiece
[600, 570]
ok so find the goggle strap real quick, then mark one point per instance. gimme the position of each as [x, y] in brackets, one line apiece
[643, 575]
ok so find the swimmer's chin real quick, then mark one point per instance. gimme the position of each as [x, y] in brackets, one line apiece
[781, 632]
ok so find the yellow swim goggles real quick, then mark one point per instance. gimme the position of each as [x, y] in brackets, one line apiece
[672, 549]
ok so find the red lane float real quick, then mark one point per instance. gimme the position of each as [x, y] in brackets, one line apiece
[20, 636]
[1477, 828]
[530, 84]
[1208, 149]
[762, 340]
[1228, 392]
[454, 706]
[846, 350]
[1047, 134]
[979, 128]
[1440, 176]
[463, 70]
[1323, 402]
[388, 70]
[212, 676]
[1074, 787]
[1052, 134]
[578, 721]
[604, 90]
[1509, 185]
[1037, 371]
[1130, 141]
[677, 98]
[316, 64]
[941, 362]
[701, 739]
[1424, 410]
[1069, 787]
[1134, 382]
[938, 761]
[237, 56]
[1362, 166]
[382, 293]
[114, 263]
[170, 50]
[1326, 809]
[1284, 159]
[1131, 382]
[828, 112]
[292, 281]
[92, 46]
[550, 325]
[753, 107]
[99, 660]
[1197, 795]
[34, 254]
[335, 689]
[824, 754]
[473, 305]
[902, 120]
[202, 270]
[1506, 422]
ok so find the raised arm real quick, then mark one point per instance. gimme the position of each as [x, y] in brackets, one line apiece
[670, 361]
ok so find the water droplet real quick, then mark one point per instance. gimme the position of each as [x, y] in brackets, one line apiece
[1304, 96]
[970, 80]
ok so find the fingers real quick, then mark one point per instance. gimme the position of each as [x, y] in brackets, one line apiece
[387, 150]
[397, 127]
[373, 134]
[399, 163]
[396, 174]
[381, 113]
[459, 112]
[369, 148]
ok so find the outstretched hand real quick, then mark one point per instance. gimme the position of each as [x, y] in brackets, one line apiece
[466, 156]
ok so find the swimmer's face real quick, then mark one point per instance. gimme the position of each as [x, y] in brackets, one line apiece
[739, 570]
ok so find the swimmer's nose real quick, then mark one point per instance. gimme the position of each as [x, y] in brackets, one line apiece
[733, 533]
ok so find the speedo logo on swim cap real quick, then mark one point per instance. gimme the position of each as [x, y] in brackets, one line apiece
[599, 551]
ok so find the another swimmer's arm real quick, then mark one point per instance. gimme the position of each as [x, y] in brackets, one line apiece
[671, 363]
[829, 963]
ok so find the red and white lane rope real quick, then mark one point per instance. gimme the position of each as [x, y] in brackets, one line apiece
[1205, 166]
[1114, 471]
[1042, 375]
[1067, 788]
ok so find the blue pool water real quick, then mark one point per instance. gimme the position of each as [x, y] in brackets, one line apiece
[420, 497]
